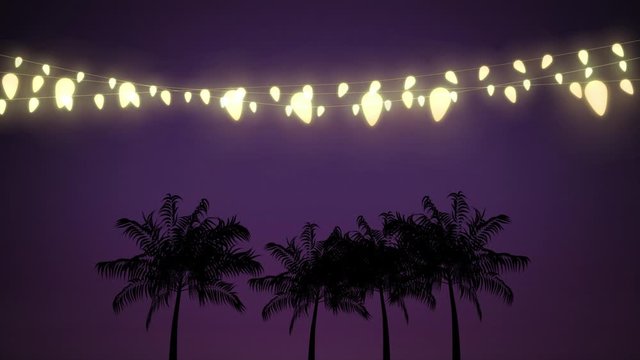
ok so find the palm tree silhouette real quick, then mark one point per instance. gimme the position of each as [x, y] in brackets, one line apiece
[192, 253]
[377, 265]
[451, 248]
[311, 276]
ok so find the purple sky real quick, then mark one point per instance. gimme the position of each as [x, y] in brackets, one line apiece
[569, 180]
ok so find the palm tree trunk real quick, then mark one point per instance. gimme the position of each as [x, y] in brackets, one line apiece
[173, 346]
[455, 332]
[312, 334]
[386, 351]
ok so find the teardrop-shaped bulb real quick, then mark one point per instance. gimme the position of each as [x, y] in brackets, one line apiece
[409, 82]
[587, 72]
[407, 99]
[64, 92]
[546, 61]
[576, 89]
[626, 86]
[275, 93]
[510, 93]
[10, 84]
[320, 110]
[153, 90]
[617, 49]
[623, 65]
[17, 62]
[36, 83]
[596, 94]
[451, 77]
[187, 96]
[558, 78]
[205, 96]
[583, 55]
[355, 109]
[387, 104]
[439, 101]
[165, 96]
[98, 99]
[519, 66]
[483, 72]
[33, 104]
[79, 77]
[342, 89]
[491, 89]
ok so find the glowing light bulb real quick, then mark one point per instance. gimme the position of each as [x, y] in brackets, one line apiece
[576, 89]
[451, 77]
[33, 104]
[626, 86]
[596, 94]
[17, 62]
[3, 106]
[623, 65]
[510, 93]
[234, 101]
[558, 78]
[127, 95]
[372, 103]
[454, 96]
[483, 72]
[165, 96]
[421, 100]
[205, 96]
[526, 84]
[275, 93]
[617, 49]
[491, 89]
[409, 82]
[46, 69]
[355, 109]
[519, 66]
[187, 96]
[583, 55]
[253, 107]
[302, 105]
[112, 83]
[153, 90]
[98, 99]
[342, 89]
[546, 61]
[10, 85]
[64, 90]
[288, 110]
[36, 83]
[387, 105]
[587, 72]
[439, 101]
[320, 110]
[407, 99]
[79, 77]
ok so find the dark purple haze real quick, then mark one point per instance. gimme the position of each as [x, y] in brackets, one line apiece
[569, 180]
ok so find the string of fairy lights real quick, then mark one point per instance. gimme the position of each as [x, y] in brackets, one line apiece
[587, 81]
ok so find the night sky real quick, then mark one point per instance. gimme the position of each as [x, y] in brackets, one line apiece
[568, 179]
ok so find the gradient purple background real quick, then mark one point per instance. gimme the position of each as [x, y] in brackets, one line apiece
[569, 180]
